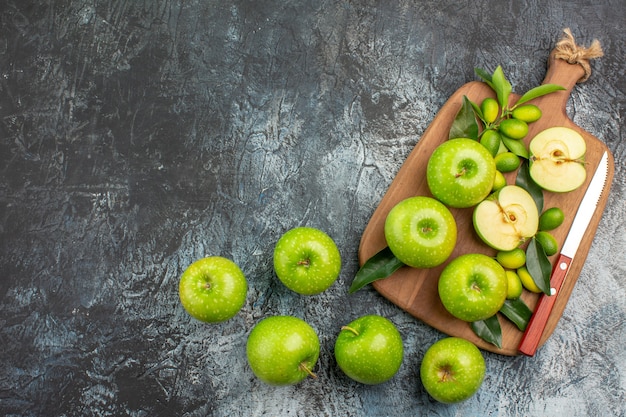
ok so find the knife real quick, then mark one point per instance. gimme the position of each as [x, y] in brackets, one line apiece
[534, 330]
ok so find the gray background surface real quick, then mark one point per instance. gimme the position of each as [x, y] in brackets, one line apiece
[139, 136]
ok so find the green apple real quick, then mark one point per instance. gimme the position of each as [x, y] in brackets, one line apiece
[213, 289]
[506, 218]
[452, 370]
[460, 172]
[307, 260]
[282, 350]
[557, 159]
[420, 232]
[473, 287]
[369, 349]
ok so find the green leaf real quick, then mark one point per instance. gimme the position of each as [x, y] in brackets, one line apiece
[502, 87]
[538, 265]
[489, 330]
[525, 181]
[477, 111]
[516, 146]
[542, 90]
[379, 266]
[518, 312]
[485, 76]
[464, 124]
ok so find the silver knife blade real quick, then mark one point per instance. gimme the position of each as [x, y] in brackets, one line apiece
[586, 209]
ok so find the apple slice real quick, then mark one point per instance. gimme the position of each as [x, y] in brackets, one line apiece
[506, 218]
[557, 159]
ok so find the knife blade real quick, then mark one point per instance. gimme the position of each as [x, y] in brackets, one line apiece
[534, 330]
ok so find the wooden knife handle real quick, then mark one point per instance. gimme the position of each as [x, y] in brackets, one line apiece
[534, 330]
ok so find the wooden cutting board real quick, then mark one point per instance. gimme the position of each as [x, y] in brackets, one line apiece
[415, 290]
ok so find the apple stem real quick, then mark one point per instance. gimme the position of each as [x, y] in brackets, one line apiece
[350, 329]
[446, 374]
[460, 174]
[305, 262]
[307, 370]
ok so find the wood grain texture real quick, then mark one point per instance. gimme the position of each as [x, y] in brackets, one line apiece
[415, 290]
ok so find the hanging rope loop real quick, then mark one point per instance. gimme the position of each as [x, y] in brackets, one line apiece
[567, 50]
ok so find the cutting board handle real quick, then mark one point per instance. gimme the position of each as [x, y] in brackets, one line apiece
[566, 75]
[568, 64]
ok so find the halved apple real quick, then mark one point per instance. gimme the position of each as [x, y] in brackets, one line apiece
[557, 159]
[506, 218]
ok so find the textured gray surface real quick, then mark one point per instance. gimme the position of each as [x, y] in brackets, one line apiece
[138, 136]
